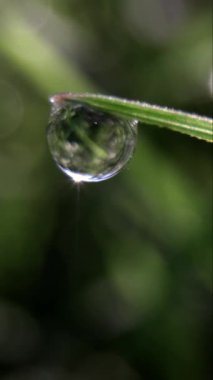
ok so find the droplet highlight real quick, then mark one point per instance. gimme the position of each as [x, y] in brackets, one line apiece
[87, 144]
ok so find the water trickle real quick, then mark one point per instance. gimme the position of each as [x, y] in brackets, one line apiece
[88, 144]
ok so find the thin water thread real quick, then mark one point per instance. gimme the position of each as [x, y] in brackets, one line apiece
[77, 220]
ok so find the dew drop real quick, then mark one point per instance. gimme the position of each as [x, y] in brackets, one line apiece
[87, 144]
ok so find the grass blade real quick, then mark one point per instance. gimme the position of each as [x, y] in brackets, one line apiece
[190, 124]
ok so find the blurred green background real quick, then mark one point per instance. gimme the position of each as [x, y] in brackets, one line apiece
[116, 284]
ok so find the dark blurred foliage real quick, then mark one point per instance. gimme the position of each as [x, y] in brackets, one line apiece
[110, 280]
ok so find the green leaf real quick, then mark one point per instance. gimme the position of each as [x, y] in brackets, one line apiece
[190, 124]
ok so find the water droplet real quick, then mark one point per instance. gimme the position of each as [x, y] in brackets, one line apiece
[88, 144]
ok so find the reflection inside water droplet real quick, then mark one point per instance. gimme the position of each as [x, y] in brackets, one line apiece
[88, 144]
